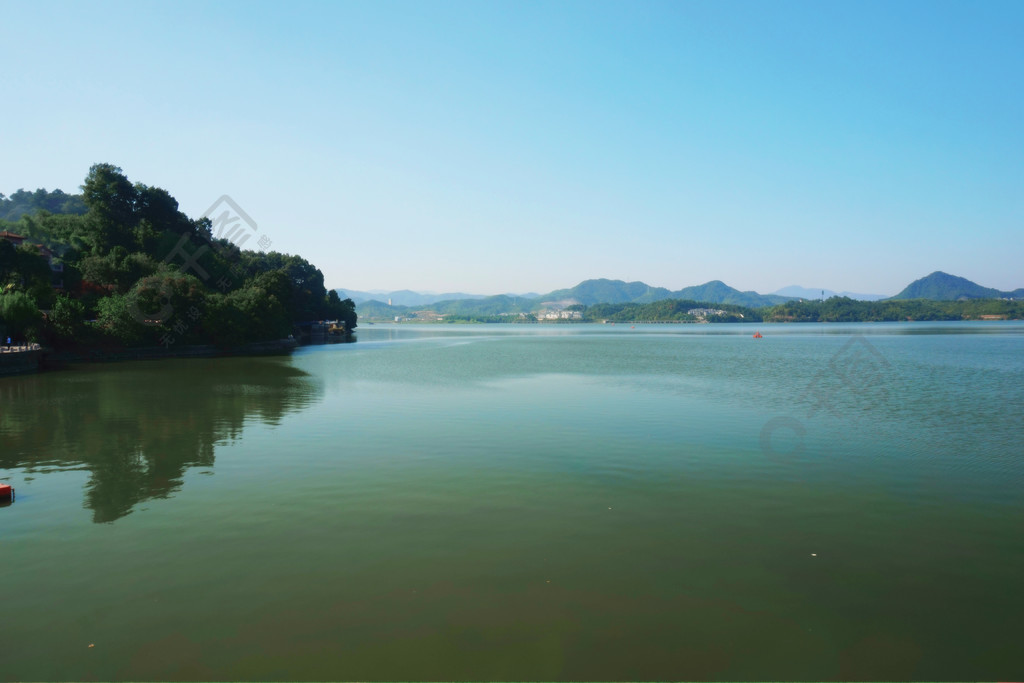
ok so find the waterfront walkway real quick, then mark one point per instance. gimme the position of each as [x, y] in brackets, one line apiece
[18, 358]
[18, 348]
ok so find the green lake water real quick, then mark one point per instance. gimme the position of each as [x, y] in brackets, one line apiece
[525, 502]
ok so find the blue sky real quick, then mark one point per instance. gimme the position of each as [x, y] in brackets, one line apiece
[496, 147]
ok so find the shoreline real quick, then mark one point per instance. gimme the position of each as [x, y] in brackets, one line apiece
[687, 322]
[20, 362]
[43, 359]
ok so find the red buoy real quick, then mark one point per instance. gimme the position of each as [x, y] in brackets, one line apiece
[6, 492]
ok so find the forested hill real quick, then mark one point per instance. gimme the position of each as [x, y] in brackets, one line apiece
[133, 270]
[941, 286]
[23, 203]
[603, 291]
[842, 309]
[717, 292]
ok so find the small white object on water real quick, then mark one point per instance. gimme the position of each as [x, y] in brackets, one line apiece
[814, 554]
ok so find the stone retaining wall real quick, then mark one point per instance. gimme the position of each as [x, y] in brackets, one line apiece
[57, 358]
[15, 360]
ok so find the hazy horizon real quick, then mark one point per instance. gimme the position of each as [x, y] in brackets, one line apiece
[502, 147]
[524, 292]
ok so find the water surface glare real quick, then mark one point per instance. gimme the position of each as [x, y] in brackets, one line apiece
[524, 502]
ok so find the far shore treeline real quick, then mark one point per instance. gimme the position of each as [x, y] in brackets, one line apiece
[120, 266]
[937, 296]
[835, 309]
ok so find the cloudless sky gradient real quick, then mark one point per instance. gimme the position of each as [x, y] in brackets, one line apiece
[491, 147]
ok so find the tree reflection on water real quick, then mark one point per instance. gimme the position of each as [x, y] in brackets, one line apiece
[137, 427]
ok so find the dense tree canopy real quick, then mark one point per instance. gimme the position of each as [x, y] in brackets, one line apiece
[843, 309]
[23, 202]
[125, 266]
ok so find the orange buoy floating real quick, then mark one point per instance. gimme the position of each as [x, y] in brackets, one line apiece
[6, 492]
[757, 335]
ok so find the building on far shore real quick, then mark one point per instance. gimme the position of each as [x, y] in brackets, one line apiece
[559, 315]
[704, 312]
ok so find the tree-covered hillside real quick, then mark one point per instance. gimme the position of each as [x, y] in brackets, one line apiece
[835, 309]
[133, 270]
[717, 292]
[23, 203]
[603, 291]
[671, 310]
[843, 309]
[941, 286]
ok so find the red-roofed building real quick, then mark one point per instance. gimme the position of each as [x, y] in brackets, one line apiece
[16, 240]
[44, 251]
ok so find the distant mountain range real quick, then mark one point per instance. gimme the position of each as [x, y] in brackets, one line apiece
[938, 286]
[805, 293]
[590, 292]
[407, 297]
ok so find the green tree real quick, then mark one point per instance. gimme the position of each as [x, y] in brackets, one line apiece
[123, 263]
[169, 302]
[118, 267]
[343, 310]
[19, 316]
[67, 321]
[24, 203]
[307, 296]
[8, 263]
[112, 201]
[245, 315]
[24, 269]
[118, 322]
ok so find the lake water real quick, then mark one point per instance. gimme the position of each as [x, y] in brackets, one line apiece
[525, 502]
